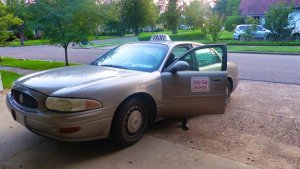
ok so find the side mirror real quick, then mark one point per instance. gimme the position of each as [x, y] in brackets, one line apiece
[178, 66]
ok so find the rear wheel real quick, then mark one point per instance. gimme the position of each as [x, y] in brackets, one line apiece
[130, 122]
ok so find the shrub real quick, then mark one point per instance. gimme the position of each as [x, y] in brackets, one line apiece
[29, 34]
[261, 43]
[279, 22]
[177, 37]
[232, 21]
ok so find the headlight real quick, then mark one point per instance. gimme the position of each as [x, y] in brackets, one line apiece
[71, 105]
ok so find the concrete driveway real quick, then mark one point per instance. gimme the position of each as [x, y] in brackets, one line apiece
[261, 128]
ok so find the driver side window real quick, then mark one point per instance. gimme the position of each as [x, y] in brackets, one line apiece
[203, 60]
[176, 53]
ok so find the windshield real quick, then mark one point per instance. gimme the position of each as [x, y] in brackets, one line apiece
[140, 57]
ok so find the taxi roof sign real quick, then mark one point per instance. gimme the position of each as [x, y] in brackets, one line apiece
[160, 37]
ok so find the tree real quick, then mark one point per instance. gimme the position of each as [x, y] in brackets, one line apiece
[6, 21]
[279, 22]
[20, 9]
[195, 13]
[66, 21]
[214, 26]
[140, 13]
[134, 14]
[227, 7]
[232, 21]
[172, 16]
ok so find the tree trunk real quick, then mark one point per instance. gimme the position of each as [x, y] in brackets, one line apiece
[174, 30]
[136, 27]
[136, 30]
[22, 36]
[66, 55]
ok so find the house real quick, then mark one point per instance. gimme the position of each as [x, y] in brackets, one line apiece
[258, 8]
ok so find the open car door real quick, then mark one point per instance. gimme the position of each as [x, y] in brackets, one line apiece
[196, 91]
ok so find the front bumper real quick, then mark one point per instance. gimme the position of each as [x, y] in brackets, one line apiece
[94, 124]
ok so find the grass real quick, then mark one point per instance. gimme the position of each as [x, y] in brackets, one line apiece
[276, 49]
[90, 38]
[31, 64]
[28, 42]
[8, 78]
[226, 35]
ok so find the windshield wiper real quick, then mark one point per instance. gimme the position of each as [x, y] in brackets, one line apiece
[114, 66]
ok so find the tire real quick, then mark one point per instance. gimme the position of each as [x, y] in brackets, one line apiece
[228, 92]
[129, 122]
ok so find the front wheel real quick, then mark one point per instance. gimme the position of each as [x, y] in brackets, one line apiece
[130, 122]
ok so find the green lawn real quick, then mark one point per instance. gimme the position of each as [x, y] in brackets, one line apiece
[90, 38]
[278, 49]
[31, 64]
[8, 78]
[28, 43]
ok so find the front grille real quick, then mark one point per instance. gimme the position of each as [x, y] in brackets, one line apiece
[24, 99]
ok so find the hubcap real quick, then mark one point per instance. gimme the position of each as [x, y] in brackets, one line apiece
[133, 120]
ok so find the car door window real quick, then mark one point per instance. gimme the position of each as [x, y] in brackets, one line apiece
[208, 59]
[180, 50]
[176, 53]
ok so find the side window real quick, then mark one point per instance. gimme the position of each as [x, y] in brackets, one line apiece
[206, 57]
[179, 50]
[176, 53]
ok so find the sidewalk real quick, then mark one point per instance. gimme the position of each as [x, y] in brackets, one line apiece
[17, 70]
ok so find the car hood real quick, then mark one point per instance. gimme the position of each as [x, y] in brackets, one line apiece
[70, 79]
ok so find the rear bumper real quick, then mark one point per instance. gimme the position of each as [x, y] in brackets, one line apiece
[93, 124]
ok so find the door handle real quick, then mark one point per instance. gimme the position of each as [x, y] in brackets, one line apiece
[217, 80]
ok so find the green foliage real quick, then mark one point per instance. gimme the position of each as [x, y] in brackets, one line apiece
[29, 34]
[6, 20]
[35, 42]
[250, 31]
[227, 7]
[233, 7]
[30, 64]
[181, 36]
[8, 78]
[232, 21]
[272, 49]
[20, 8]
[172, 16]
[225, 35]
[140, 13]
[195, 13]
[261, 43]
[66, 21]
[279, 22]
[133, 14]
[214, 26]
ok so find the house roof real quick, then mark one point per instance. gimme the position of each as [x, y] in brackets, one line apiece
[260, 7]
